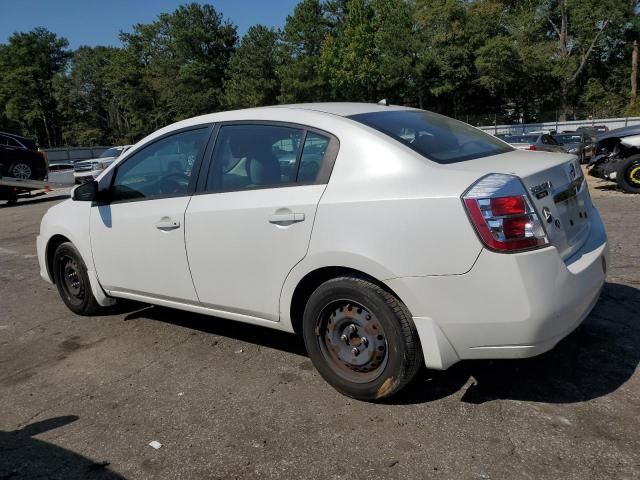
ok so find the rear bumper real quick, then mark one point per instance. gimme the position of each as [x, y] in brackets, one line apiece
[507, 305]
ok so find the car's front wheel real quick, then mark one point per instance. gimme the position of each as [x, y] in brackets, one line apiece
[70, 275]
[361, 338]
[628, 174]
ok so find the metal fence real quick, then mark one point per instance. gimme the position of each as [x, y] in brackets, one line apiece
[73, 154]
[611, 123]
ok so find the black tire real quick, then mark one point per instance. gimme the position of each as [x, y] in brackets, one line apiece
[391, 355]
[70, 276]
[628, 174]
[22, 169]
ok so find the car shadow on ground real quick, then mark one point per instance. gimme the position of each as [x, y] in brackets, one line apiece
[35, 199]
[596, 359]
[25, 457]
[254, 334]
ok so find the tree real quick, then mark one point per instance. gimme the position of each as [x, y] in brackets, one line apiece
[445, 59]
[183, 58]
[349, 60]
[28, 65]
[580, 26]
[252, 70]
[84, 98]
[371, 55]
[299, 54]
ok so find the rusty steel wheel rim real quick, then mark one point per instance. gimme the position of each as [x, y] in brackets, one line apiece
[352, 341]
[71, 280]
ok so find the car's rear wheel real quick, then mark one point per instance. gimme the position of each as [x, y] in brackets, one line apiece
[361, 338]
[22, 170]
[70, 275]
[628, 174]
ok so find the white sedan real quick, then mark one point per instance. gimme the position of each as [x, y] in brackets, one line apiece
[388, 237]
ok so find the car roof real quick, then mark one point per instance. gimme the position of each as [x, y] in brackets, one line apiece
[15, 135]
[620, 132]
[343, 109]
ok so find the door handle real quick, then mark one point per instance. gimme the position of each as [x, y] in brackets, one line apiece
[286, 218]
[167, 224]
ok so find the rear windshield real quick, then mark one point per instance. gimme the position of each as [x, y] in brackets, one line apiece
[434, 136]
[522, 139]
[111, 152]
[568, 138]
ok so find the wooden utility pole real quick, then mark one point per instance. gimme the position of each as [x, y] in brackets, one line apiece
[634, 72]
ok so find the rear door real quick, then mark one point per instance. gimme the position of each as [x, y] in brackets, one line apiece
[251, 220]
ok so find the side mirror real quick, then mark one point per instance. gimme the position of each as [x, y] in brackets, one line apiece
[87, 192]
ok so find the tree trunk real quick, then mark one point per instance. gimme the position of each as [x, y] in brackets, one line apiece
[564, 107]
[46, 129]
[634, 72]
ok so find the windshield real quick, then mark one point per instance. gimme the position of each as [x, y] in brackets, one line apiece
[568, 138]
[111, 152]
[436, 137]
[522, 139]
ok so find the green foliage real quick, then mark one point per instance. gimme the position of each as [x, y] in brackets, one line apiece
[479, 60]
[252, 70]
[299, 54]
[29, 64]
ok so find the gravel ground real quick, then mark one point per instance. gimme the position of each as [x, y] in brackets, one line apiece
[84, 397]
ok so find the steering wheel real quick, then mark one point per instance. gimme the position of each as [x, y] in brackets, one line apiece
[173, 183]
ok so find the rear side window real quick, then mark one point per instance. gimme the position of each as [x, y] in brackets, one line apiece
[436, 137]
[253, 156]
[315, 147]
[521, 139]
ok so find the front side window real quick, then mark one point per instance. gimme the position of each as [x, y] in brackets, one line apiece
[436, 137]
[163, 168]
[254, 156]
[8, 141]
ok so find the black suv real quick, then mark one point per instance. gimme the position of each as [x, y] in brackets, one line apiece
[20, 158]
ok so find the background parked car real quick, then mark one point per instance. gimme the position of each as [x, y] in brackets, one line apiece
[527, 141]
[576, 143]
[88, 170]
[61, 173]
[617, 158]
[20, 158]
[593, 130]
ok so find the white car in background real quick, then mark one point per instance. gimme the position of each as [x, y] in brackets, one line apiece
[396, 238]
[88, 170]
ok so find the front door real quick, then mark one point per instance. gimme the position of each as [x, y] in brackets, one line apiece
[253, 223]
[137, 239]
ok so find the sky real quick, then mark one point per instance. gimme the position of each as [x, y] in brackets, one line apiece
[98, 22]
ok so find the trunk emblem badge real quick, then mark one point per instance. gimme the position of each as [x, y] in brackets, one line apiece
[542, 190]
[547, 214]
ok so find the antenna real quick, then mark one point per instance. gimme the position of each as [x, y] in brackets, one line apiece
[384, 102]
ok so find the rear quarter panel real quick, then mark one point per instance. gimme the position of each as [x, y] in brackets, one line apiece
[389, 213]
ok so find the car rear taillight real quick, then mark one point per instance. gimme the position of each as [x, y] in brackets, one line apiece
[532, 148]
[502, 214]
